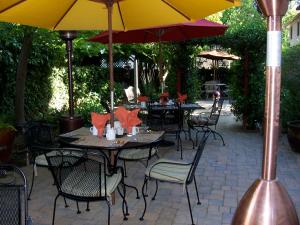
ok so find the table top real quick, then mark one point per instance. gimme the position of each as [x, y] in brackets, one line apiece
[215, 84]
[83, 138]
[158, 106]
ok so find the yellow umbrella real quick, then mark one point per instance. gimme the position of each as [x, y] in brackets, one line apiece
[121, 14]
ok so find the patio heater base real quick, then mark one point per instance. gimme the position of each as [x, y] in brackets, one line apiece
[266, 202]
[68, 123]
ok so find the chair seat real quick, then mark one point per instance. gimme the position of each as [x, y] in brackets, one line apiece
[86, 184]
[40, 160]
[166, 170]
[200, 120]
[136, 154]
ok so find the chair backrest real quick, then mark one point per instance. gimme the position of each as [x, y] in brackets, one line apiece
[38, 133]
[78, 173]
[197, 157]
[13, 196]
[216, 110]
[173, 116]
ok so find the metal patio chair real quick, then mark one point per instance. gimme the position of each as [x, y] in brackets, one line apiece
[13, 196]
[201, 123]
[174, 172]
[85, 176]
[142, 155]
[38, 134]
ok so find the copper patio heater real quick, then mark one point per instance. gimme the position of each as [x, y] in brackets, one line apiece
[69, 122]
[267, 202]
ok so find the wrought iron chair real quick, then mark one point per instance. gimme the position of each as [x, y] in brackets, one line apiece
[13, 196]
[154, 117]
[84, 176]
[38, 134]
[174, 172]
[172, 125]
[201, 123]
[168, 120]
[142, 155]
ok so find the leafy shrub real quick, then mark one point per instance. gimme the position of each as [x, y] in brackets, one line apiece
[253, 104]
[290, 101]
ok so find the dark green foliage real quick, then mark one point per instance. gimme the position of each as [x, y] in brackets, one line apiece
[182, 59]
[290, 101]
[246, 37]
[45, 53]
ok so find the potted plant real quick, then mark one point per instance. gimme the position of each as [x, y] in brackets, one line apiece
[294, 134]
[7, 136]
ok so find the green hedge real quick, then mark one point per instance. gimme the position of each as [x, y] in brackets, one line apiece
[290, 93]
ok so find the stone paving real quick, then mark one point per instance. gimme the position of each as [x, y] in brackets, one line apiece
[223, 175]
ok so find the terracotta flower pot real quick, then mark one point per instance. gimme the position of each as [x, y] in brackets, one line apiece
[294, 134]
[7, 136]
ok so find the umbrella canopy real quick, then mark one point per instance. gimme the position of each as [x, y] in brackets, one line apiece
[107, 15]
[173, 32]
[218, 55]
[93, 14]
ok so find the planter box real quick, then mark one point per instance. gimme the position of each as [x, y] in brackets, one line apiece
[294, 134]
[7, 136]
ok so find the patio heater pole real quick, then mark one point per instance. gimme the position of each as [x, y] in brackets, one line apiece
[68, 36]
[267, 202]
[71, 122]
[136, 79]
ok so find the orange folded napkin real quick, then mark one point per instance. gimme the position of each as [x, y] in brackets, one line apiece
[133, 119]
[163, 98]
[181, 98]
[143, 98]
[127, 118]
[99, 121]
[164, 95]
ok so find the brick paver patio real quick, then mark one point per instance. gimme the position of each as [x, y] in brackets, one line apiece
[223, 175]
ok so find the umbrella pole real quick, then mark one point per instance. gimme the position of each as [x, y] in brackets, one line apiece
[109, 5]
[160, 67]
[136, 79]
[267, 201]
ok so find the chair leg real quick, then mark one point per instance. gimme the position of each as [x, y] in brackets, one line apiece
[78, 211]
[190, 137]
[136, 190]
[144, 197]
[177, 140]
[217, 133]
[87, 207]
[156, 182]
[125, 171]
[197, 132]
[108, 213]
[124, 203]
[53, 216]
[66, 204]
[198, 203]
[190, 208]
[180, 144]
[32, 181]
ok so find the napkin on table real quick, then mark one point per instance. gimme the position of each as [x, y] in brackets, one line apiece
[99, 121]
[127, 118]
[143, 98]
[181, 98]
